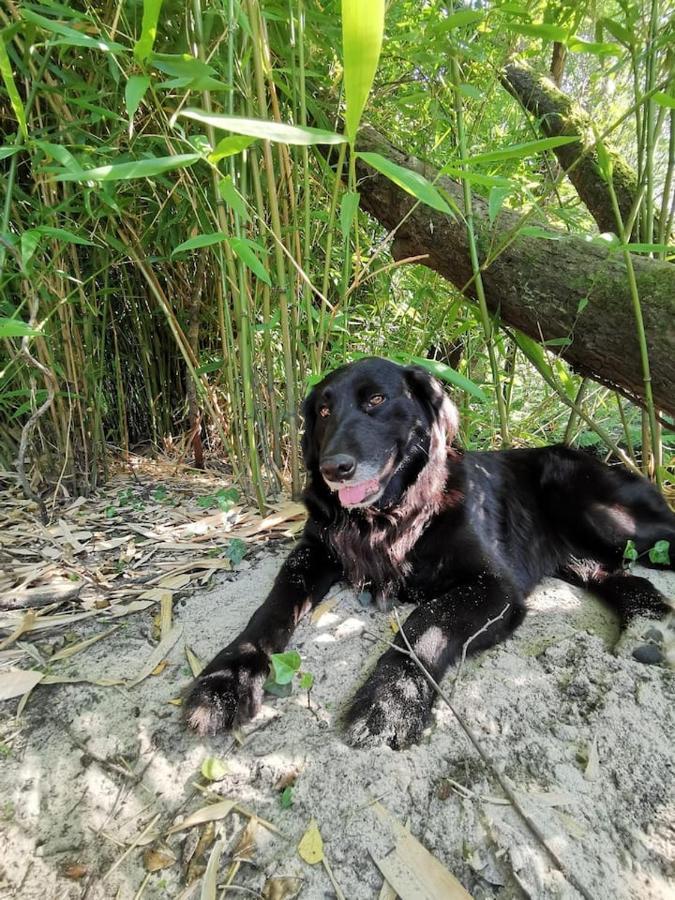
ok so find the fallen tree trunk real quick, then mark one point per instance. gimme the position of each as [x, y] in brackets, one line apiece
[558, 116]
[562, 288]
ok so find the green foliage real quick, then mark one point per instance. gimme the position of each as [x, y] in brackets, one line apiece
[167, 250]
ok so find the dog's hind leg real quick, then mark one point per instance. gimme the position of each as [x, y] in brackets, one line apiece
[393, 706]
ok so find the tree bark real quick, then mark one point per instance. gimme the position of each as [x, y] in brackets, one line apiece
[564, 287]
[557, 115]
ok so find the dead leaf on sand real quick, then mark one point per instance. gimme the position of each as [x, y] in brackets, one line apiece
[284, 888]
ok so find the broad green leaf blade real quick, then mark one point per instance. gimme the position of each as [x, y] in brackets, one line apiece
[348, 206]
[535, 353]
[9, 151]
[230, 146]
[664, 99]
[496, 200]
[232, 197]
[285, 665]
[477, 178]
[362, 30]
[244, 250]
[62, 234]
[16, 328]
[69, 36]
[10, 87]
[144, 45]
[520, 151]
[262, 128]
[139, 168]
[463, 17]
[410, 181]
[200, 240]
[30, 240]
[134, 92]
[450, 376]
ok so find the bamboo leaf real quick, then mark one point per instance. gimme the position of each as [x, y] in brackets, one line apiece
[449, 375]
[348, 206]
[664, 99]
[463, 17]
[134, 92]
[410, 181]
[520, 151]
[10, 87]
[362, 30]
[230, 146]
[16, 328]
[62, 234]
[17, 682]
[139, 168]
[69, 36]
[144, 45]
[263, 128]
[232, 197]
[246, 250]
[543, 30]
[200, 240]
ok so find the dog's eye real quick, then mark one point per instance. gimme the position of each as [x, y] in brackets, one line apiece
[324, 411]
[376, 400]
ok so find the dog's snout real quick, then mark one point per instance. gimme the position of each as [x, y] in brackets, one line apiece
[338, 467]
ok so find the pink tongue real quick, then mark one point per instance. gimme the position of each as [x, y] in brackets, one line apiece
[356, 493]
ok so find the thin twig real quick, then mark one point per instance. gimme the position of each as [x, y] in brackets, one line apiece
[469, 641]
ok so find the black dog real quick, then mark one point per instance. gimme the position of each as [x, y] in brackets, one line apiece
[395, 509]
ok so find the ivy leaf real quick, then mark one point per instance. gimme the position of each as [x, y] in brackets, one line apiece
[660, 553]
[630, 551]
[285, 665]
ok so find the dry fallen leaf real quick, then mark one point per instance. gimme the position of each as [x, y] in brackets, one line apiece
[154, 860]
[284, 888]
[17, 682]
[75, 871]
[246, 845]
[210, 813]
[593, 766]
[195, 663]
[159, 668]
[310, 847]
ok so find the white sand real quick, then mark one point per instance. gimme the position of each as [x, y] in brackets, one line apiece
[539, 703]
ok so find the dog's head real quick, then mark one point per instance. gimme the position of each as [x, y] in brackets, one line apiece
[371, 427]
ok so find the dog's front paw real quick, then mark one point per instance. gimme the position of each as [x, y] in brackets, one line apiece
[391, 708]
[229, 695]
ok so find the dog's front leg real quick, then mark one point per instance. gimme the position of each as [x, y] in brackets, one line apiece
[393, 706]
[229, 690]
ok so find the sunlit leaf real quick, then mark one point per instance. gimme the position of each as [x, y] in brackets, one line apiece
[200, 240]
[310, 847]
[263, 128]
[144, 45]
[410, 181]
[521, 151]
[10, 86]
[285, 665]
[448, 374]
[69, 36]
[362, 31]
[544, 30]
[139, 168]
[15, 328]
[230, 146]
[134, 92]
[664, 99]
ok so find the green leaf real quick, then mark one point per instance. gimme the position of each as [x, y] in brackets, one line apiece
[30, 240]
[285, 665]
[577, 45]
[214, 769]
[62, 234]
[536, 231]
[545, 31]
[134, 92]
[520, 151]
[664, 99]
[617, 30]
[362, 30]
[246, 250]
[139, 168]
[144, 45]
[9, 151]
[232, 197]
[461, 18]
[496, 201]
[16, 328]
[262, 128]
[348, 206]
[660, 553]
[286, 797]
[535, 353]
[69, 36]
[630, 551]
[200, 240]
[648, 248]
[449, 375]
[229, 146]
[236, 551]
[10, 87]
[476, 177]
[306, 681]
[409, 181]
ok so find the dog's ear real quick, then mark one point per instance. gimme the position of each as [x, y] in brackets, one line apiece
[429, 392]
[308, 444]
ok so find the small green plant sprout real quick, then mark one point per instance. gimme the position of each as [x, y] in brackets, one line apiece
[286, 797]
[284, 668]
[659, 554]
[160, 493]
[236, 551]
[224, 499]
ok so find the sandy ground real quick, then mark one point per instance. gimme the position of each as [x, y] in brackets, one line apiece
[583, 735]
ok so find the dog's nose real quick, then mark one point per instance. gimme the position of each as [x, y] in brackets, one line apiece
[338, 467]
